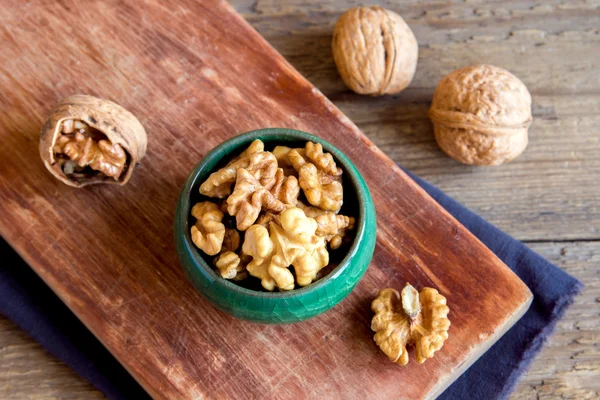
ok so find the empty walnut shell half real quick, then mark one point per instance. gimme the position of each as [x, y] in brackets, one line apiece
[374, 50]
[481, 115]
[87, 140]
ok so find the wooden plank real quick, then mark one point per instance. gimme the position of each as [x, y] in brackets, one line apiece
[398, 125]
[552, 46]
[108, 253]
[27, 371]
[569, 365]
[566, 368]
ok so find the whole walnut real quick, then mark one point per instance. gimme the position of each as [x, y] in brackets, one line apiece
[374, 50]
[481, 115]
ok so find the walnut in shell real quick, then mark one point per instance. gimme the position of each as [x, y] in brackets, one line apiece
[87, 140]
[481, 115]
[412, 318]
[374, 50]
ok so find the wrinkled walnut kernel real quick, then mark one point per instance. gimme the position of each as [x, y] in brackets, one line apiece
[321, 190]
[318, 176]
[261, 190]
[208, 232]
[219, 183]
[80, 147]
[413, 318]
[285, 188]
[259, 246]
[248, 199]
[230, 266]
[333, 228]
[292, 242]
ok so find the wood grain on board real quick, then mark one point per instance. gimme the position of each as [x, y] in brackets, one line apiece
[196, 73]
[567, 367]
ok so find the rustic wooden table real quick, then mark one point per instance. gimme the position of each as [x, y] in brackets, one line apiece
[548, 198]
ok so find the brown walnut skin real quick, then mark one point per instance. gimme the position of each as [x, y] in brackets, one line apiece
[116, 123]
[374, 50]
[481, 115]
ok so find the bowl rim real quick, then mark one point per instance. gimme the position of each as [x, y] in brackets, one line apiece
[184, 207]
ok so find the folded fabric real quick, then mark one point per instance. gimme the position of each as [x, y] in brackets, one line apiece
[26, 300]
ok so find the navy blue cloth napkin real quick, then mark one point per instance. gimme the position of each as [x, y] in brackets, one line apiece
[26, 300]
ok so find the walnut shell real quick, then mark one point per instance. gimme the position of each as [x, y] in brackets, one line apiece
[481, 115]
[374, 50]
[113, 121]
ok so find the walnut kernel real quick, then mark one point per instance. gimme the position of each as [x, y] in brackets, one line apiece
[229, 265]
[249, 197]
[413, 318]
[318, 176]
[208, 232]
[276, 234]
[219, 183]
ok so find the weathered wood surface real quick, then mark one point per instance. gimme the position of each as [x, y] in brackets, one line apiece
[196, 74]
[550, 193]
[567, 367]
[551, 45]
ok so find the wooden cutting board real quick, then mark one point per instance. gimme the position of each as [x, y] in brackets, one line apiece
[195, 73]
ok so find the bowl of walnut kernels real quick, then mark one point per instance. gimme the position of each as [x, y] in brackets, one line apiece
[275, 226]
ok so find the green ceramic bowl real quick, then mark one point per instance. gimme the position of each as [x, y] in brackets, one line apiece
[277, 307]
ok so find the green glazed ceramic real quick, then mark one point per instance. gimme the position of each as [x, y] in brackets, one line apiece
[277, 307]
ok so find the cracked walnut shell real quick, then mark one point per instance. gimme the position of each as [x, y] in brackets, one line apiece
[481, 115]
[412, 318]
[374, 50]
[87, 140]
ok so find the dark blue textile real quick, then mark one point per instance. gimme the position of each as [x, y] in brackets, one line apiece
[25, 299]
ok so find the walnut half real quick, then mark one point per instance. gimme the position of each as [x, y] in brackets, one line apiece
[289, 241]
[318, 176]
[87, 140]
[413, 318]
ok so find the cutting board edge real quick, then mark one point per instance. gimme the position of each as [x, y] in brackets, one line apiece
[41, 262]
[480, 350]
